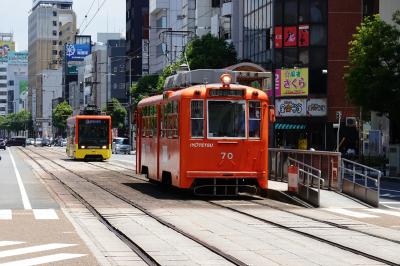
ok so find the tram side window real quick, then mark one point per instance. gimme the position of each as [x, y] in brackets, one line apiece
[149, 121]
[197, 118]
[169, 122]
[254, 119]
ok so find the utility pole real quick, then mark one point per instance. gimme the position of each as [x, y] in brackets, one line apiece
[339, 118]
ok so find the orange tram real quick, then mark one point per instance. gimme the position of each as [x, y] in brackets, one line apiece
[89, 135]
[204, 136]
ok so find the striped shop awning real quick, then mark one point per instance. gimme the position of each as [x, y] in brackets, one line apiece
[289, 126]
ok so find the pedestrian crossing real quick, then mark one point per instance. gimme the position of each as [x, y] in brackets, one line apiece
[18, 248]
[364, 213]
[37, 214]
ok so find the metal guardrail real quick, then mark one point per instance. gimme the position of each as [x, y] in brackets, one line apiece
[327, 162]
[360, 181]
[308, 191]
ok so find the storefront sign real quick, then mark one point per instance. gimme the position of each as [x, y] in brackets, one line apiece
[294, 82]
[301, 107]
[290, 37]
[278, 37]
[304, 35]
[316, 107]
[290, 107]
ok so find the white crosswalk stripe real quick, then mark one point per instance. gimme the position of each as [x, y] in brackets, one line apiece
[29, 252]
[38, 214]
[5, 215]
[44, 259]
[363, 213]
[45, 214]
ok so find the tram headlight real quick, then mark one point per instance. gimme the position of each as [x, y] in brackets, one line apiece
[104, 147]
[83, 147]
[226, 80]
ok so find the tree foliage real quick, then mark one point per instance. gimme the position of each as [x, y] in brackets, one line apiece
[16, 121]
[118, 113]
[210, 52]
[145, 86]
[373, 76]
[60, 115]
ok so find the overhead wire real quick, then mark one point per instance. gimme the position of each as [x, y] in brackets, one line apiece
[87, 13]
[94, 15]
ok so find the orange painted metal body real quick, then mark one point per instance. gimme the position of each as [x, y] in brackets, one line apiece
[186, 159]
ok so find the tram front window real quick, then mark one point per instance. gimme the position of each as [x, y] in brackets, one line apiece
[93, 132]
[226, 119]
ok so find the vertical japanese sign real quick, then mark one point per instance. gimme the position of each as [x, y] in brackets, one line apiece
[294, 82]
[290, 36]
[304, 35]
[278, 37]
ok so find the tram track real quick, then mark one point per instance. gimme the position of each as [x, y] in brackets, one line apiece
[211, 248]
[308, 235]
[287, 228]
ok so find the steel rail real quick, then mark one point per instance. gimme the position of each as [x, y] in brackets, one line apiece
[213, 249]
[146, 257]
[320, 239]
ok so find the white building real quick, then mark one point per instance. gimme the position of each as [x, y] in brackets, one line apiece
[51, 89]
[17, 76]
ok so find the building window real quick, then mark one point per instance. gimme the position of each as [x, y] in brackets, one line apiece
[115, 69]
[122, 68]
[2, 69]
[11, 82]
[254, 119]
[216, 3]
[54, 42]
[3, 77]
[161, 22]
[3, 101]
[54, 13]
[115, 86]
[54, 23]
[122, 86]
[318, 35]
[54, 33]
[318, 10]
[54, 52]
[3, 85]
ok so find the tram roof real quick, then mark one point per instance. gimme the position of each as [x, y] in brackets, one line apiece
[90, 117]
[189, 93]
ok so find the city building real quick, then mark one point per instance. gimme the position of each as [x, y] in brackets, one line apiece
[7, 46]
[3, 88]
[51, 24]
[17, 80]
[137, 37]
[116, 71]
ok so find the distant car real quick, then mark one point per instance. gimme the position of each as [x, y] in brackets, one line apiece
[46, 142]
[121, 145]
[17, 141]
[38, 142]
[3, 144]
[63, 143]
[30, 141]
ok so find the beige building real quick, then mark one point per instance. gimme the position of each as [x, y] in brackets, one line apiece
[52, 23]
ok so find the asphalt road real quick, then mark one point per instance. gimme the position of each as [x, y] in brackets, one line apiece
[33, 228]
[390, 193]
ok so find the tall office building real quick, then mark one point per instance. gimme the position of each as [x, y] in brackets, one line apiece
[52, 24]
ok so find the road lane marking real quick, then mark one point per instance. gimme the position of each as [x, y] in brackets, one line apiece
[10, 243]
[45, 214]
[5, 215]
[351, 213]
[385, 212]
[389, 202]
[33, 249]
[24, 195]
[44, 259]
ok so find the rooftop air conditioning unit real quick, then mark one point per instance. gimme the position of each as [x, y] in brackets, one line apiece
[351, 122]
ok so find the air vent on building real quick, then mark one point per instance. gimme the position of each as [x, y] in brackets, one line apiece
[351, 122]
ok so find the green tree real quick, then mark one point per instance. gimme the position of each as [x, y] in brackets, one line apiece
[118, 113]
[145, 86]
[372, 78]
[60, 115]
[210, 52]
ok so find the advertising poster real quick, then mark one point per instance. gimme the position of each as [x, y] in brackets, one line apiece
[290, 107]
[290, 37]
[304, 35]
[75, 54]
[278, 37]
[316, 107]
[17, 57]
[23, 87]
[294, 82]
[5, 48]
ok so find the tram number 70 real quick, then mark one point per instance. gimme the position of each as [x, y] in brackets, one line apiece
[227, 155]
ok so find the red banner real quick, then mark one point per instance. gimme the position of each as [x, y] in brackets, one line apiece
[304, 35]
[278, 37]
[290, 36]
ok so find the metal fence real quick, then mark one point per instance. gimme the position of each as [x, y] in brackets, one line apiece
[327, 162]
[309, 182]
[360, 181]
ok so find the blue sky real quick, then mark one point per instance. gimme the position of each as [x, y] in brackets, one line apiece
[15, 19]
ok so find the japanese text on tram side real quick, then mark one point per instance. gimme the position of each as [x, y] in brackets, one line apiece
[201, 145]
